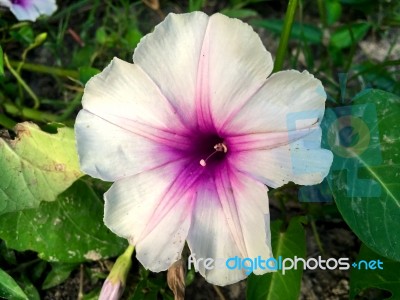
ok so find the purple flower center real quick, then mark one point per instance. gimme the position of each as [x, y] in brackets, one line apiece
[209, 149]
[19, 2]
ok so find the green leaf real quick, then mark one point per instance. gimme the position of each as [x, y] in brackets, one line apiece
[195, 5]
[36, 166]
[378, 76]
[85, 73]
[7, 255]
[346, 35]
[37, 270]
[145, 290]
[28, 288]
[286, 244]
[24, 35]
[9, 289]
[240, 13]
[58, 274]
[133, 37]
[365, 174]
[333, 10]
[92, 295]
[69, 230]
[82, 57]
[101, 35]
[386, 279]
[300, 31]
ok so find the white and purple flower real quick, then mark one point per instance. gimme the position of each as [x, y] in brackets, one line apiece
[30, 10]
[191, 134]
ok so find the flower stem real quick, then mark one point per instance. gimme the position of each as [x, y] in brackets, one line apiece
[128, 252]
[45, 69]
[71, 108]
[22, 82]
[316, 236]
[29, 113]
[322, 12]
[283, 42]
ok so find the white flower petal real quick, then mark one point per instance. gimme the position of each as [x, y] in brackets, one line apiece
[183, 56]
[264, 141]
[245, 201]
[302, 162]
[24, 13]
[124, 94]
[45, 7]
[109, 152]
[228, 220]
[233, 65]
[153, 211]
[210, 236]
[170, 56]
[120, 118]
[288, 100]
[5, 3]
[31, 10]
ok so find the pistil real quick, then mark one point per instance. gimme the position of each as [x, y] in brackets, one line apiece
[220, 147]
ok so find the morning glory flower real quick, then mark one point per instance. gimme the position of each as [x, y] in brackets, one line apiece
[191, 134]
[30, 10]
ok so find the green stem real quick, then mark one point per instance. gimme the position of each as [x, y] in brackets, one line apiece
[284, 40]
[24, 266]
[45, 69]
[71, 108]
[29, 113]
[36, 102]
[352, 51]
[316, 236]
[128, 252]
[15, 26]
[120, 270]
[322, 12]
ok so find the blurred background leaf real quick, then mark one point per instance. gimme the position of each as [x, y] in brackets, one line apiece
[365, 179]
[287, 244]
[9, 289]
[68, 230]
[387, 279]
[36, 165]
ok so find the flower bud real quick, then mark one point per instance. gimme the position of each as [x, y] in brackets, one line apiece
[111, 291]
[114, 285]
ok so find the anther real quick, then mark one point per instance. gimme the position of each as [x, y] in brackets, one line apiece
[220, 147]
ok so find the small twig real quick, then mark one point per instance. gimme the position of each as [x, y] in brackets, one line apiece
[76, 37]
[80, 294]
[219, 293]
[23, 266]
[155, 5]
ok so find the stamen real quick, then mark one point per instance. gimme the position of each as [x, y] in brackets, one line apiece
[220, 147]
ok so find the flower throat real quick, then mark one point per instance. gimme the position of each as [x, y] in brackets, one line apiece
[220, 147]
